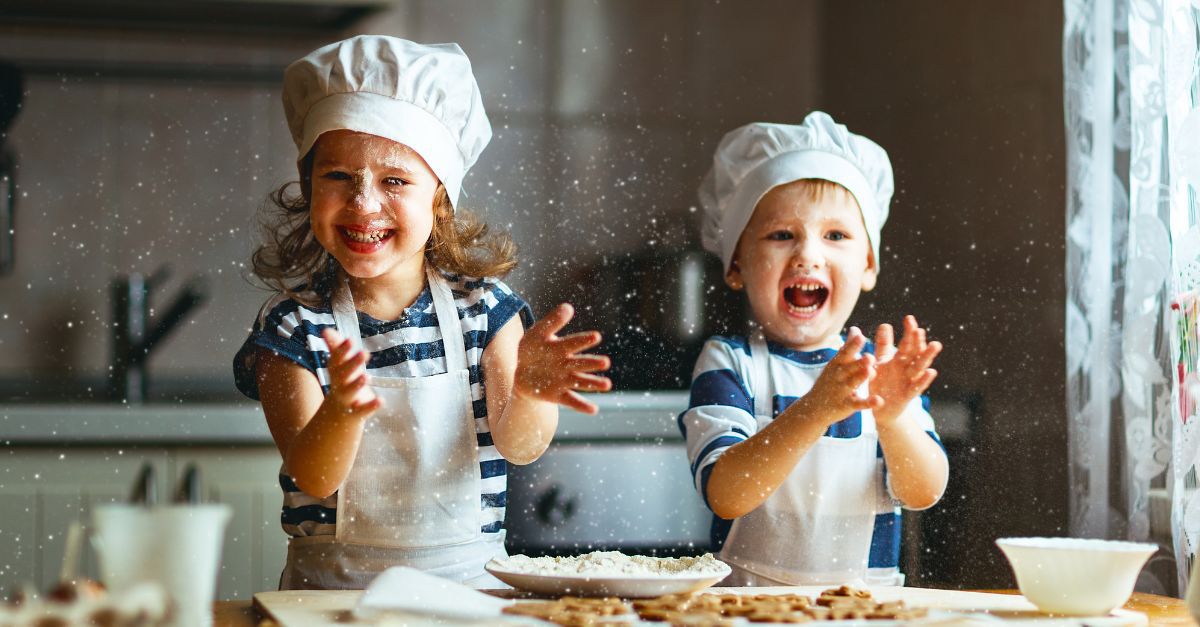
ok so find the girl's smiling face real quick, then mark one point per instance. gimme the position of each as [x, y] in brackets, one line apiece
[803, 260]
[371, 204]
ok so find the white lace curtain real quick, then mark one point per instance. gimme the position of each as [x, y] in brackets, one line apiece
[1131, 92]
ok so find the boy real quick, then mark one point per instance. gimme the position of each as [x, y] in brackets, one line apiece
[802, 441]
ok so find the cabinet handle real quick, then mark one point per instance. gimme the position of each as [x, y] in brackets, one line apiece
[189, 486]
[145, 491]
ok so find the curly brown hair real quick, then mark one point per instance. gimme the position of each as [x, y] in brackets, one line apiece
[293, 262]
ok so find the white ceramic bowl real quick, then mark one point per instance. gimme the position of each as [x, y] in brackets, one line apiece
[1076, 576]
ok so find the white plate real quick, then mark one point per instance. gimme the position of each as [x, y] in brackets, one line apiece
[629, 587]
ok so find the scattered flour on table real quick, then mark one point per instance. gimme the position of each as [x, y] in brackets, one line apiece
[612, 564]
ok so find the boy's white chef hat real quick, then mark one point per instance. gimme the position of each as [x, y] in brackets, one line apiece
[752, 159]
[422, 96]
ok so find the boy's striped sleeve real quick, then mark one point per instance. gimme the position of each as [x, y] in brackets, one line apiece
[720, 411]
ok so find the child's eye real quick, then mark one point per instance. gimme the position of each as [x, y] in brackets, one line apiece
[779, 236]
[391, 180]
[837, 236]
[334, 175]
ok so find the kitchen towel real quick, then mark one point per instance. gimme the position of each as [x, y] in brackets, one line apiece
[407, 590]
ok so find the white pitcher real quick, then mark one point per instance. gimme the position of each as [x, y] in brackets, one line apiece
[175, 546]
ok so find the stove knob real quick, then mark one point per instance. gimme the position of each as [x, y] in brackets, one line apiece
[553, 508]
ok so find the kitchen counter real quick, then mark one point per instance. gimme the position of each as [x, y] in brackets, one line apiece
[115, 423]
[631, 416]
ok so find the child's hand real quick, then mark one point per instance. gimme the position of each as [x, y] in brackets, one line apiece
[350, 392]
[835, 393]
[551, 368]
[903, 372]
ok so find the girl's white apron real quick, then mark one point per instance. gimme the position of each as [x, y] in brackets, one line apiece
[412, 497]
[815, 528]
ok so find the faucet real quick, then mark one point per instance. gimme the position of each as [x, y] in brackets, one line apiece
[132, 335]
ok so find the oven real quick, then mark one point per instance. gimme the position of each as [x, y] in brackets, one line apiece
[619, 480]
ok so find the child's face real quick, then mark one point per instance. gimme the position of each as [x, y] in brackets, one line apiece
[372, 203]
[803, 261]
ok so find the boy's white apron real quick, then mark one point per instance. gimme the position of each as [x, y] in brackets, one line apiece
[815, 528]
[412, 497]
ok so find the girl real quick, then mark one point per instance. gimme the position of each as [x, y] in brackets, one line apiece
[394, 385]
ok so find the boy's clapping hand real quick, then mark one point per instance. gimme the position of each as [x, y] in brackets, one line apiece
[553, 368]
[836, 390]
[903, 371]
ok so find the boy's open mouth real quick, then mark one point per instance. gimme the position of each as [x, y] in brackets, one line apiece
[805, 297]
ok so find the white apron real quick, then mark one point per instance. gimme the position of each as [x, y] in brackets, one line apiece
[816, 528]
[412, 497]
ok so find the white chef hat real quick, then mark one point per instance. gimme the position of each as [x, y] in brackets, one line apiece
[422, 96]
[752, 159]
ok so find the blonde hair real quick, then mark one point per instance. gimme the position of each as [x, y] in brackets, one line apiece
[291, 260]
[817, 189]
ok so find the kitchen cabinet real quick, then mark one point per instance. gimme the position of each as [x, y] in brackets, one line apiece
[44, 489]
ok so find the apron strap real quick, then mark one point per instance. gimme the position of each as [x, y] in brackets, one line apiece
[344, 314]
[346, 318]
[760, 357]
[447, 315]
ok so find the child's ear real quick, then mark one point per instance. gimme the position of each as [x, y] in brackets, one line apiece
[443, 211]
[870, 275]
[733, 277]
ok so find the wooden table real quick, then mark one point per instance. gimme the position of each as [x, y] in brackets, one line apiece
[1161, 610]
[1164, 611]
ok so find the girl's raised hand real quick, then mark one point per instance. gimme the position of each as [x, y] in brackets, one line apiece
[553, 368]
[834, 395]
[904, 371]
[350, 391]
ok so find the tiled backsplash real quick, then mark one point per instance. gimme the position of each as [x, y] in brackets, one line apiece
[604, 118]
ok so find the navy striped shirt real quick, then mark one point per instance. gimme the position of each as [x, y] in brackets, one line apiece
[720, 414]
[408, 347]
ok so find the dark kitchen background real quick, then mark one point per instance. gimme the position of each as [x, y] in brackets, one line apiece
[150, 133]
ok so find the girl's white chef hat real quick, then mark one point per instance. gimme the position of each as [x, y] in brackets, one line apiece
[422, 96]
[752, 159]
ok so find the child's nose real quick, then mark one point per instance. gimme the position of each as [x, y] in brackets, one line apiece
[363, 197]
[807, 254]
